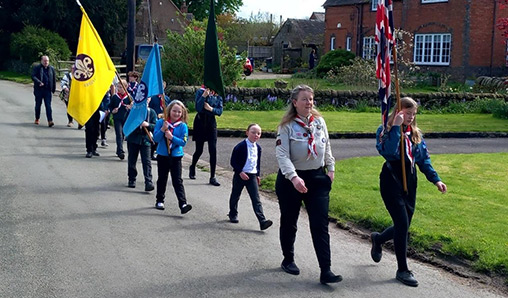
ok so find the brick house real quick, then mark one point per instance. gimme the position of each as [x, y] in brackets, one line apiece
[456, 37]
[165, 16]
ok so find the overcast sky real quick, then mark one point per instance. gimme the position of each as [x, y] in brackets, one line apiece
[296, 9]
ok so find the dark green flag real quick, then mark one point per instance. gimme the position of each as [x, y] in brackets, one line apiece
[213, 72]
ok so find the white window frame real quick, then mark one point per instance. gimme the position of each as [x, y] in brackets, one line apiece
[433, 1]
[373, 5]
[432, 49]
[332, 43]
[349, 42]
[369, 48]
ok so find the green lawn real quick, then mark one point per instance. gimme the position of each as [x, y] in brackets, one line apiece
[470, 221]
[16, 77]
[366, 122]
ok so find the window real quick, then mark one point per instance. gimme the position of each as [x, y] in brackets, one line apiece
[433, 1]
[348, 43]
[432, 49]
[373, 5]
[369, 48]
[332, 43]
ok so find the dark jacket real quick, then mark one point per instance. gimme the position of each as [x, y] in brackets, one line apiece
[155, 103]
[239, 157]
[37, 77]
[205, 125]
[115, 102]
[139, 136]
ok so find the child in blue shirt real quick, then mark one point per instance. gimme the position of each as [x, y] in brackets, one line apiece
[171, 133]
[246, 161]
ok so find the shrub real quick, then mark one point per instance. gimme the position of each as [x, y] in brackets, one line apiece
[182, 60]
[360, 72]
[33, 42]
[334, 59]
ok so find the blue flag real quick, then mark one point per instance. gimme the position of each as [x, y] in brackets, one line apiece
[151, 84]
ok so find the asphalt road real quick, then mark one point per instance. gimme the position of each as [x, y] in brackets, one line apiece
[69, 227]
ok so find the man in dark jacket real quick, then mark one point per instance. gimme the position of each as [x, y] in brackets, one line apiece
[44, 78]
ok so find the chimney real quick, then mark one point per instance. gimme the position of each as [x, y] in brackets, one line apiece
[183, 8]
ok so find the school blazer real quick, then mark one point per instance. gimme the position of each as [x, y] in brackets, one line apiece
[239, 157]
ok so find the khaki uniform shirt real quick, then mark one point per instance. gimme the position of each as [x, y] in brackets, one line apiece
[292, 148]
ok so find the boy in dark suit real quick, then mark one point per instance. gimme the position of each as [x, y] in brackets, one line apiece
[246, 160]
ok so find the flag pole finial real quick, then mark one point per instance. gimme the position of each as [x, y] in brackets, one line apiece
[79, 3]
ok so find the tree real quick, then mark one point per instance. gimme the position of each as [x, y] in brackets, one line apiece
[199, 8]
[502, 23]
[183, 56]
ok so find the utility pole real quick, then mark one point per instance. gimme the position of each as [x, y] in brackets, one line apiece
[131, 29]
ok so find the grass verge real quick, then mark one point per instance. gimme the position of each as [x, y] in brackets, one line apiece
[365, 122]
[468, 222]
[15, 77]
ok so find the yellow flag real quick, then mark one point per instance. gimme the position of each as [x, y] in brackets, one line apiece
[92, 75]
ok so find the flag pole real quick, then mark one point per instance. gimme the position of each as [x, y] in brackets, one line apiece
[131, 100]
[399, 108]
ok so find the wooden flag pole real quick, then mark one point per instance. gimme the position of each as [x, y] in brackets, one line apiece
[131, 100]
[399, 108]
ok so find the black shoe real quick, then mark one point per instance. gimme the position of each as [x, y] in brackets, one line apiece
[407, 278]
[185, 208]
[132, 184]
[89, 155]
[233, 218]
[121, 156]
[376, 252]
[266, 224]
[214, 182]
[149, 187]
[192, 172]
[329, 277]
[290, 267]
[80, 126]
[159, 205]
[95, 153]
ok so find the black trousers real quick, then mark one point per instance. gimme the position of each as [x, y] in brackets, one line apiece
[316, 201]
[69, 117]
[173, 165]
[212, 151]
[401, 207]
[92, 132]
[46, 96]
[252, 189]
[132, 159]
[104, 126]
[119, 136]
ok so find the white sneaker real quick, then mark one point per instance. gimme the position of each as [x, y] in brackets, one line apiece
[159, 205]
[103, 143]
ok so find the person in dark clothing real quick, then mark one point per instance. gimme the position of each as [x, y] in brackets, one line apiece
[208, 105]
[44, 78]
[312, 58]
[401, 204]
[92, 128]
[138, 143]
[119, 106]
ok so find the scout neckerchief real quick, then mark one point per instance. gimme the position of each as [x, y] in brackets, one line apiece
[311, 144]
[122, 97]
[161, 102]
[172, 126]
[409, 146]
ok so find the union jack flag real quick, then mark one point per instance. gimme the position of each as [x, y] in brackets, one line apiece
[384, 41]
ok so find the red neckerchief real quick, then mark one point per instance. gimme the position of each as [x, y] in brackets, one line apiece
[409, 146]
[311, 144]
[122, 97]
[172, 126]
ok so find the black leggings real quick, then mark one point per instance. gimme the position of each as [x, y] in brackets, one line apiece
[401, 207]
[212, 151]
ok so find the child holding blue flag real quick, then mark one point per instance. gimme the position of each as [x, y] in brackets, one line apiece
[171, 133]
[138, 143]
